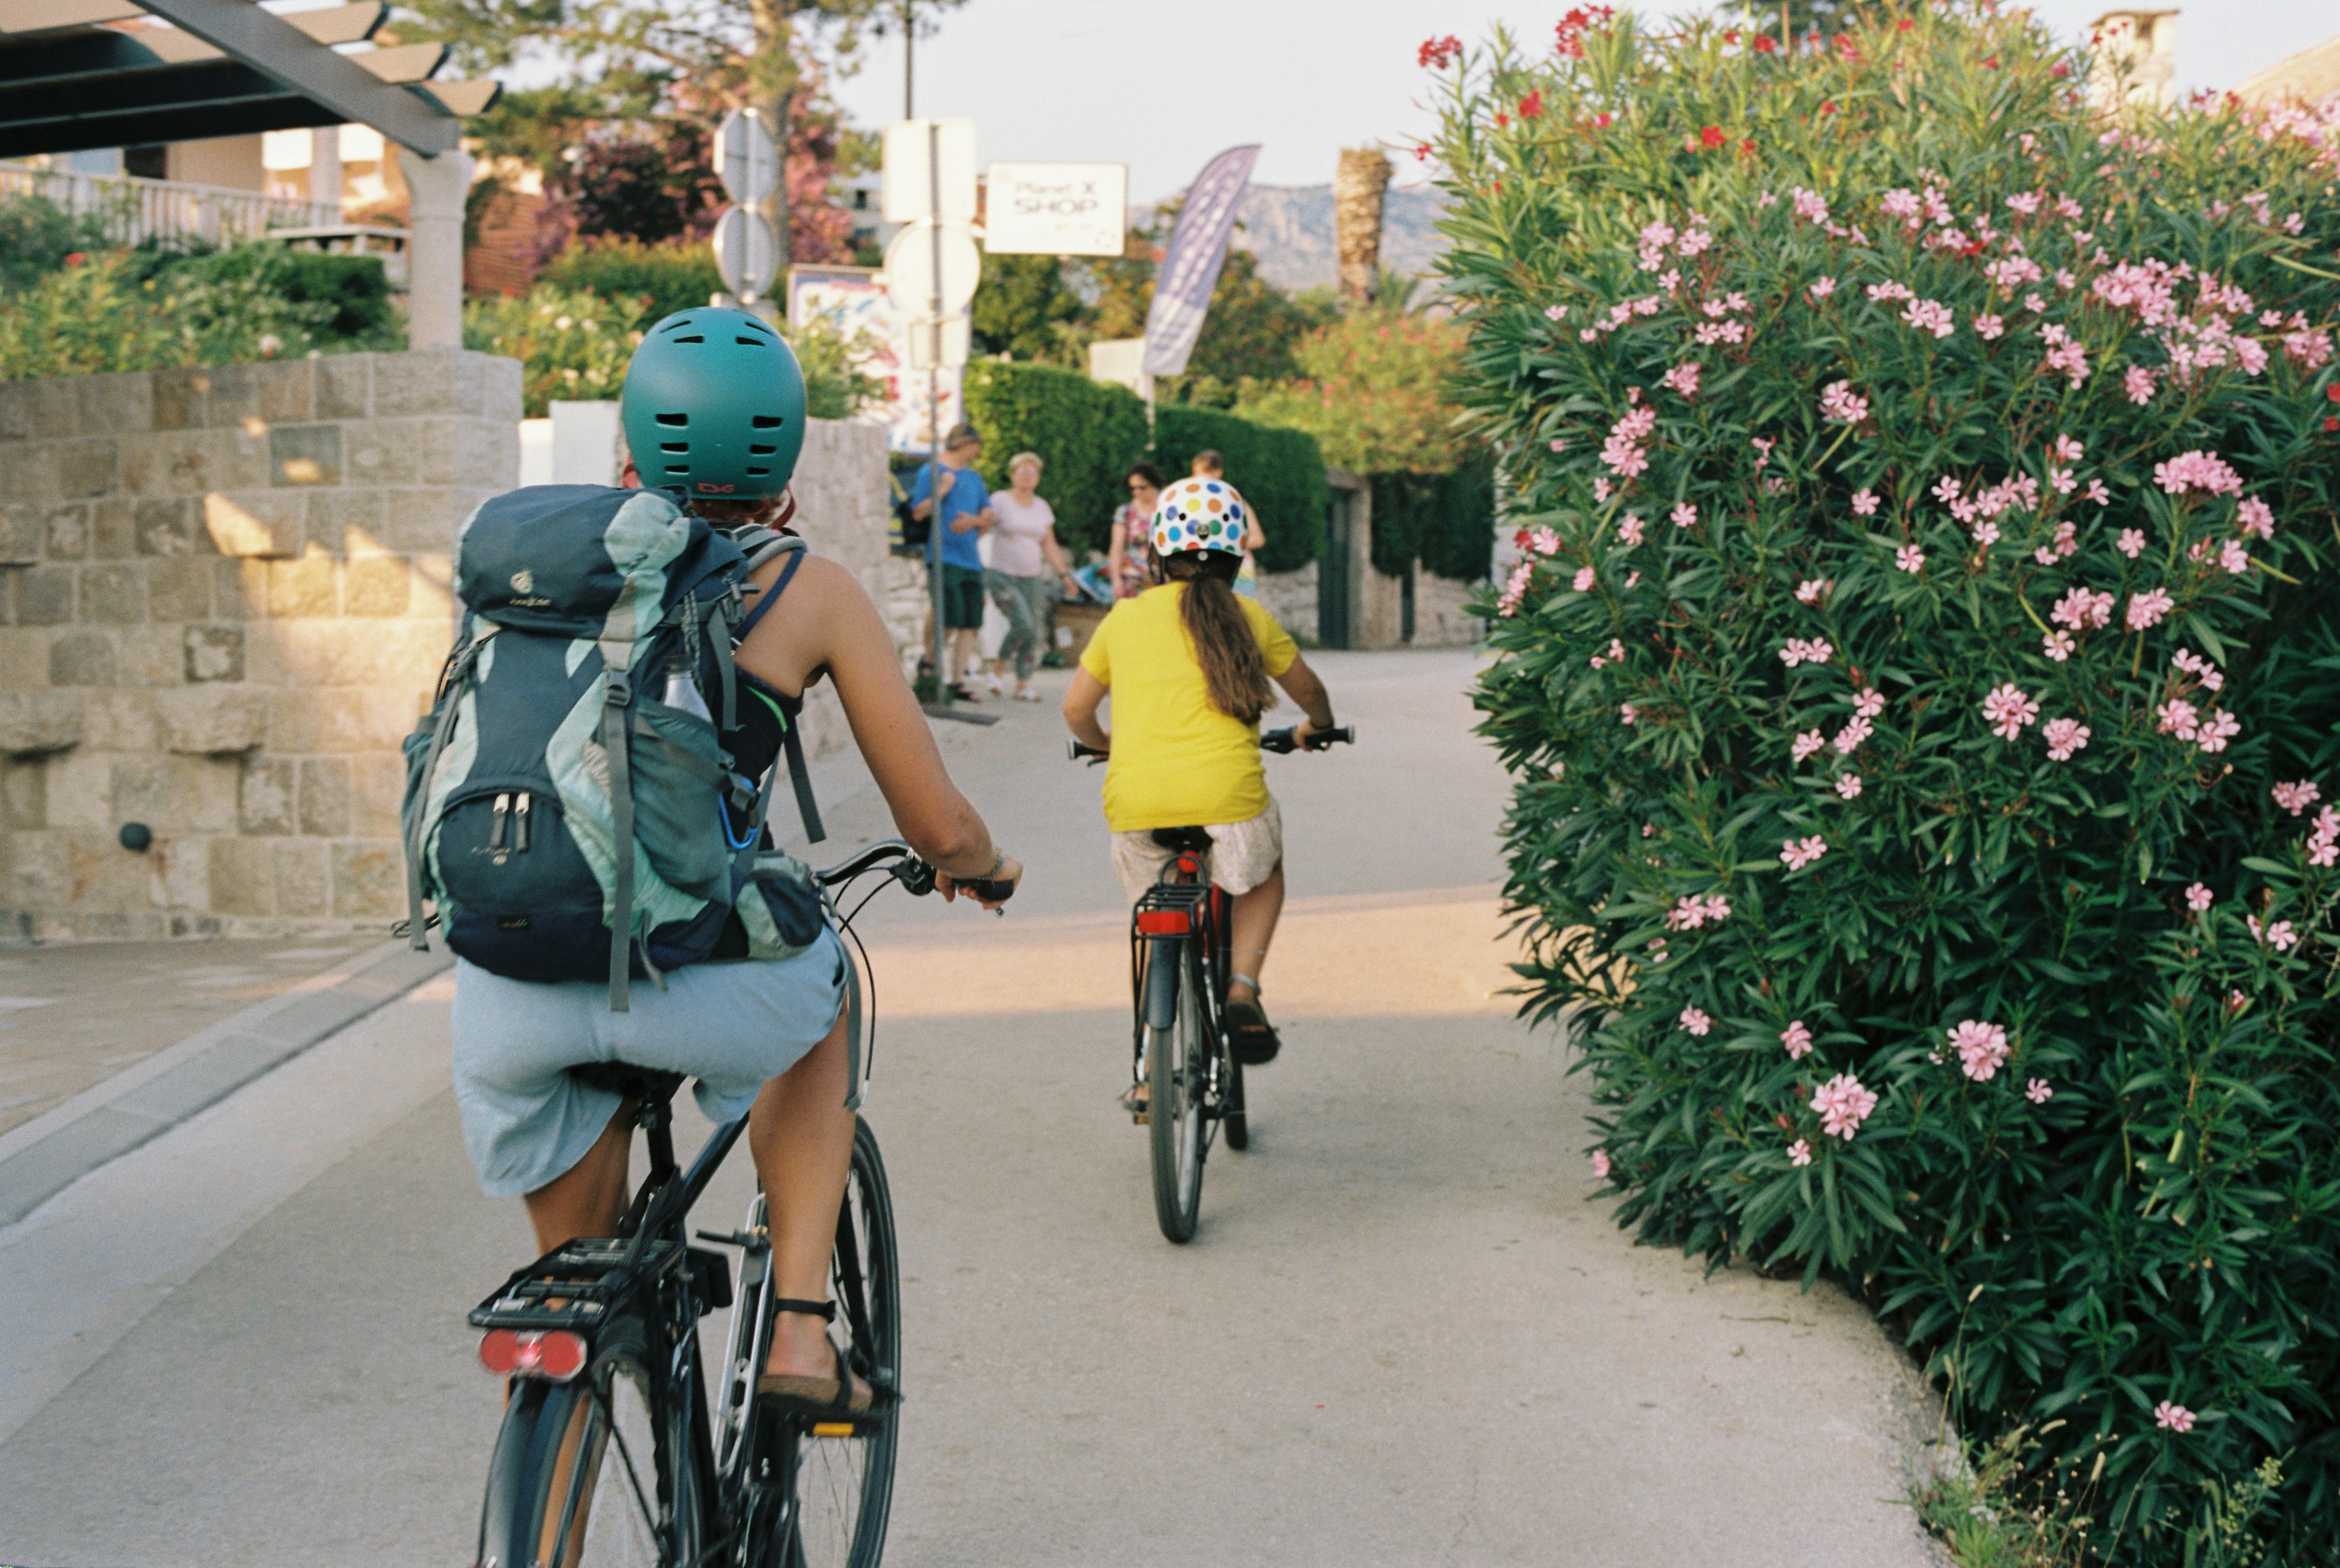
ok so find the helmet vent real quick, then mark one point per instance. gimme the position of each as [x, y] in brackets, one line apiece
[758, 473]
[675, 421]
[694, 337]
[752, 342]
[767, 422]
[677, 468]
[756, 452]
[674, 446]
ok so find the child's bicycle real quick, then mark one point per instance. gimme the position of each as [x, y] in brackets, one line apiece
[1178, 970]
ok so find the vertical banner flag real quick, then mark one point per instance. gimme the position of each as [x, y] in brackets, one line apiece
[1190, 269]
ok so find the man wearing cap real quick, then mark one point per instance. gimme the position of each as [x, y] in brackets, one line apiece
[953, 485]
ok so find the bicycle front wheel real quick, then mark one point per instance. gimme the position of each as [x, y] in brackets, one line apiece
[583, 1476]
[836, 1492]
[1177, 1067]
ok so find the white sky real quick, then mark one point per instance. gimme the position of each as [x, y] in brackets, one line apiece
[1163, 85]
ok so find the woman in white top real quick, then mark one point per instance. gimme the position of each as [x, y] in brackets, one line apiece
[1026, 567]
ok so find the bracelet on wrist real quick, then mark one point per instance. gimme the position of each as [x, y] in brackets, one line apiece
[998, 862]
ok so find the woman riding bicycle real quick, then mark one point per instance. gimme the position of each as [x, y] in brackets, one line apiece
[765, 1039]
[1189, 665]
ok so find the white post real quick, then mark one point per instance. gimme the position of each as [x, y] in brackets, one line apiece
[435, 247]
[325, 168]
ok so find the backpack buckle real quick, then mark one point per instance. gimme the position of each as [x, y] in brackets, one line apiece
[620, 691]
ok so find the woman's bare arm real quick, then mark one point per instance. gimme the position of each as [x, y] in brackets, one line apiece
[1081, 710]
[826, 622]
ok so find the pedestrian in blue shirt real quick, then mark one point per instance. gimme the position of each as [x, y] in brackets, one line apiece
[965, 516]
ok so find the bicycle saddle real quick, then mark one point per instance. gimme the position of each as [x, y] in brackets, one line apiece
[1188, 840]
[647, 1085]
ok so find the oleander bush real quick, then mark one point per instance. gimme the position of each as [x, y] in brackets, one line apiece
[115, 311]
[1922, 678]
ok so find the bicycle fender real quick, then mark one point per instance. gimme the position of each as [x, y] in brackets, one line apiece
[1162, 966]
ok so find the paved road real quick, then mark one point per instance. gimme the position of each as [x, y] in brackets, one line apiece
[1406, 1334]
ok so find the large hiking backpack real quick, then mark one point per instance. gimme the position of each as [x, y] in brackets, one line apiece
[572, 808]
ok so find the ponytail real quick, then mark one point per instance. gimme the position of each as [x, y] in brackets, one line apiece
[1234, 672]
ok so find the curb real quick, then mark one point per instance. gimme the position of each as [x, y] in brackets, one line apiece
[49, 1153]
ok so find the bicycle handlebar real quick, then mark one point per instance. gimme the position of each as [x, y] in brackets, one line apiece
[1283, 742]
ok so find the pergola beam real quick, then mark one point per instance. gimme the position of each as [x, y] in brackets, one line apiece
[274, 46]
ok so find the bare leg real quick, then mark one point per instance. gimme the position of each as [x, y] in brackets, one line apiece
[801, 1136]
[1255, 916]
[589, 1198]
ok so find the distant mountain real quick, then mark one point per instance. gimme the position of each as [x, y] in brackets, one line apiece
[1290, 229]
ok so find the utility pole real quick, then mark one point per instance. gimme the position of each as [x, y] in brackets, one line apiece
[910, 44]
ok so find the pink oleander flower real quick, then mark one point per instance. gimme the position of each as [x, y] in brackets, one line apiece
[2008, 710]
[2178, 717]
[2199, 898]
[1544, 542]
[1929, 316]
[1684, 516]
[1844, 1105]
[1988, 327]
[1600, 1165]
[2203, 471]
[1849, 787]
[1695, 1021]
[1718, 909]
[1555, 312]
[2255, 517]
[2064, 737]
[1850, 738]
[1947, 489]
[1864, 503]
[1868, 702]
[2098, 494]
[2279, 936]
[1809, 205]
[2234, 557]
[1812, 591]
[2147, 609]
[1796, 855]
[1821, 288]
[1799, 1152]
[1841, 403]
[1909, 558]
[1516, 587]
[1602, 489]
[2131, 543]
[1798, 651]
[2068, 450]
[2219, 727]
[2139, 384]
[1683, 377]
[2175, 1417]
[1807, 743]
[1629, 531]
[1797, 1039]
[2035, 303]
[2297, 797]
[1626, 713]
[2037, 1091]
[2200, 669]
[1583, 580]
[2056, 646]
[1981, 1048]
[2082, 609]
[1633, 580]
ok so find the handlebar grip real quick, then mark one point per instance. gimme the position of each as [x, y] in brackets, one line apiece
[998, 891]
[1076, 751]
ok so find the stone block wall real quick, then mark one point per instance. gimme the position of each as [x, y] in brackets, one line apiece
[223, 599]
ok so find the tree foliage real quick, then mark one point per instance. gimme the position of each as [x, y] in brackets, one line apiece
[1919, 683]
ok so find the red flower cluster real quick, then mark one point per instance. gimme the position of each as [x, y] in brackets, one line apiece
[1711, 137]
[1437, 53]
[1764, 44]
[1531, 105]
[1569, 41]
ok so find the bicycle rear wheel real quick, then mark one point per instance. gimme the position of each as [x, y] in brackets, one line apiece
[1177, 1067]
[1235, 1122]
[834, 1494]
[583, 1477]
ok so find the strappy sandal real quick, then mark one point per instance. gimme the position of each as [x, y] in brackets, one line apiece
[825, 1401]
[1135, 1100]
[1254, 1043]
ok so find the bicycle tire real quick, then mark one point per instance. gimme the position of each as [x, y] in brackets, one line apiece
[835, 1493]
[1177, 1067]
[561, 1494]
[1234, 1120]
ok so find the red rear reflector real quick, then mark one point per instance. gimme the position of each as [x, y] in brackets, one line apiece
[555, 1353]
[1188, 864]
[1165, 923]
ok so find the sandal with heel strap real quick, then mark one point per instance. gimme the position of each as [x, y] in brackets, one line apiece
[824, 1400]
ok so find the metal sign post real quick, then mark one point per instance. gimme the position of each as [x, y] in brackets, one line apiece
[748, 161]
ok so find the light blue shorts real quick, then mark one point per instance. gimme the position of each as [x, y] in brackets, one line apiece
[733, 1027]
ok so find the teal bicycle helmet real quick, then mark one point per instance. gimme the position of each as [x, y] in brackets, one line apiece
[714, 405]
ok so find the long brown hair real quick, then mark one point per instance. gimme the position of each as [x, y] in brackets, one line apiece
[1234, 671]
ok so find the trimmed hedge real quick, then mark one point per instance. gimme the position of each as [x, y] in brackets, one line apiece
[1087, 434]
[1446, 521]
[678, 275]
[1280, 471]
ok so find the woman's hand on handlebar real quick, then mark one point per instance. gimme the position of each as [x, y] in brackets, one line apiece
[1305, 732]
[989, 892]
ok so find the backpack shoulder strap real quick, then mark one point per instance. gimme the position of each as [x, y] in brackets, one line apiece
[791, 742]
[765, 601]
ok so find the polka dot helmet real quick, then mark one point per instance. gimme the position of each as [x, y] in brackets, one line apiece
[1200, 514]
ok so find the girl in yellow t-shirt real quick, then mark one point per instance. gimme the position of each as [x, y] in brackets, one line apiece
[1188, 665]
